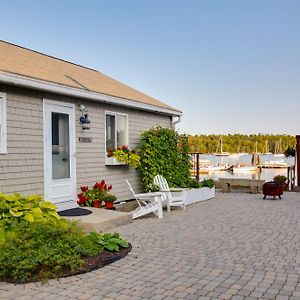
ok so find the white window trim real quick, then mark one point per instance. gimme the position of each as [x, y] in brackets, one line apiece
[113, 113]
[3, 133]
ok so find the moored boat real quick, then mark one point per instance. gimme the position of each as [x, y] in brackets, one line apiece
[275, 164]
[244, 169]
[220, 145]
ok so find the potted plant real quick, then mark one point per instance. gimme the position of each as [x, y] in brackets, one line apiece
[94, 197]
[281, 180]
[123, 155]
[109, 200]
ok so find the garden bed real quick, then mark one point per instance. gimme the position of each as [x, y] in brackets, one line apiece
[91, 263]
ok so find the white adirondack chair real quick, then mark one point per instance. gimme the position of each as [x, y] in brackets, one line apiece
[148, 203]
[170, 199]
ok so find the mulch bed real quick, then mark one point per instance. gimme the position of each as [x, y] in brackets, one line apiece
[91, 263]
[105, 258]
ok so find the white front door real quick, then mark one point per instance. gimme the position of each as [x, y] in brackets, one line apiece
[59, 154]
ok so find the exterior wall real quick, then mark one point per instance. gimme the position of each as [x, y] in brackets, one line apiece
[21, 170]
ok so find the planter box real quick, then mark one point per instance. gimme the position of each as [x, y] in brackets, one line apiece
[112, 161]
[198, 195]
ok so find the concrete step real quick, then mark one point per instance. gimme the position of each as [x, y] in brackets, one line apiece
[101, 220]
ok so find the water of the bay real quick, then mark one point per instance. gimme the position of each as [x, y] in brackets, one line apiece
[266, 174]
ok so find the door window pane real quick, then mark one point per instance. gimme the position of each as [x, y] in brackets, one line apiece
[60, 146]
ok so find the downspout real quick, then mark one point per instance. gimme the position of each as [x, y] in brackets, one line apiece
[297, 161]
[174, 122]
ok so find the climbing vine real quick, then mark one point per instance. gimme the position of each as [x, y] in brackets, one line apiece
[164, 151]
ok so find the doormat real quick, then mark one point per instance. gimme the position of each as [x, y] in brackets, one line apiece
[74, 212]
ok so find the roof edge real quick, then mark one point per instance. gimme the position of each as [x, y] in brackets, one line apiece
[22, 81]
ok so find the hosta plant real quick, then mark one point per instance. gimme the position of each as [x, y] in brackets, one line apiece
[16, 209]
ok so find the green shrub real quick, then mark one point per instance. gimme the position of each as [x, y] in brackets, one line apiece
[280, 179]
[194, 183]
[42, 250]
[36, 243]
[16, 209]
[163, 151]
[207, 182]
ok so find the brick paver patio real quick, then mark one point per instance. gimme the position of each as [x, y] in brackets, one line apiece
[238, 246]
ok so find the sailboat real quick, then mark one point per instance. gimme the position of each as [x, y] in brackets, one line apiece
[238, 153]
[243, 168]
[278, 149]
[266, 148]
[221, 153]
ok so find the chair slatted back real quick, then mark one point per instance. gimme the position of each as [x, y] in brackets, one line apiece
[163, 185]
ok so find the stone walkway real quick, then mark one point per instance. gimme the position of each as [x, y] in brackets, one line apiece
[238, 246]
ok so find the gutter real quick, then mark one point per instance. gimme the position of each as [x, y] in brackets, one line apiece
[41, 85]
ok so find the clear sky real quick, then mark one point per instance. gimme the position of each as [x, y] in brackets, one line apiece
[230, 65]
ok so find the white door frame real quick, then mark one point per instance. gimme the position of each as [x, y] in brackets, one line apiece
[63, 201]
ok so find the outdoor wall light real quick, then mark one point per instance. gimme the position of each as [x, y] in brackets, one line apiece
[84, 118]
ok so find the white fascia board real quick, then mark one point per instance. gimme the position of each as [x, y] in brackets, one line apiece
[32, 83]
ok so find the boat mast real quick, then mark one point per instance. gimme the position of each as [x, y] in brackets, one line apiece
[221, 145]
[266, 146]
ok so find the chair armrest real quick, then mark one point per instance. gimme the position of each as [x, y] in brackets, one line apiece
[148, 195]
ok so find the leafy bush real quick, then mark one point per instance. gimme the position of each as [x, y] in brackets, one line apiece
[290, 152]
[42, 250]
[280, 179]
[163, 151]
[207, 182]
[16, 209]
[36, 243]
[194, 183]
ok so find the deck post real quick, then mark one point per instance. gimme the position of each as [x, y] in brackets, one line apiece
[197, 166]
[298, 160]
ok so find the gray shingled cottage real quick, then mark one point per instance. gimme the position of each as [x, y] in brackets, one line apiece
[44, 148]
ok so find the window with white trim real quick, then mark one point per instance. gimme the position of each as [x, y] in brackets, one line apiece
[3, 147]
[116, 130]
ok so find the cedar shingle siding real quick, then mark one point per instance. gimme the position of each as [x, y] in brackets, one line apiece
[22, 169]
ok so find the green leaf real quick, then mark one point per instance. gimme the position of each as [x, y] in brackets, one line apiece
[16, 213]
[28, 217]
[47, 205]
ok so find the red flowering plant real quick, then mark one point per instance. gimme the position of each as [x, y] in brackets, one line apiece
[88, 196]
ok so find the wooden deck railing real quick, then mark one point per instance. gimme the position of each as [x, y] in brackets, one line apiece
[195, 158]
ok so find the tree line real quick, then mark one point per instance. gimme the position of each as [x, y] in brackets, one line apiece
[237, 143]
